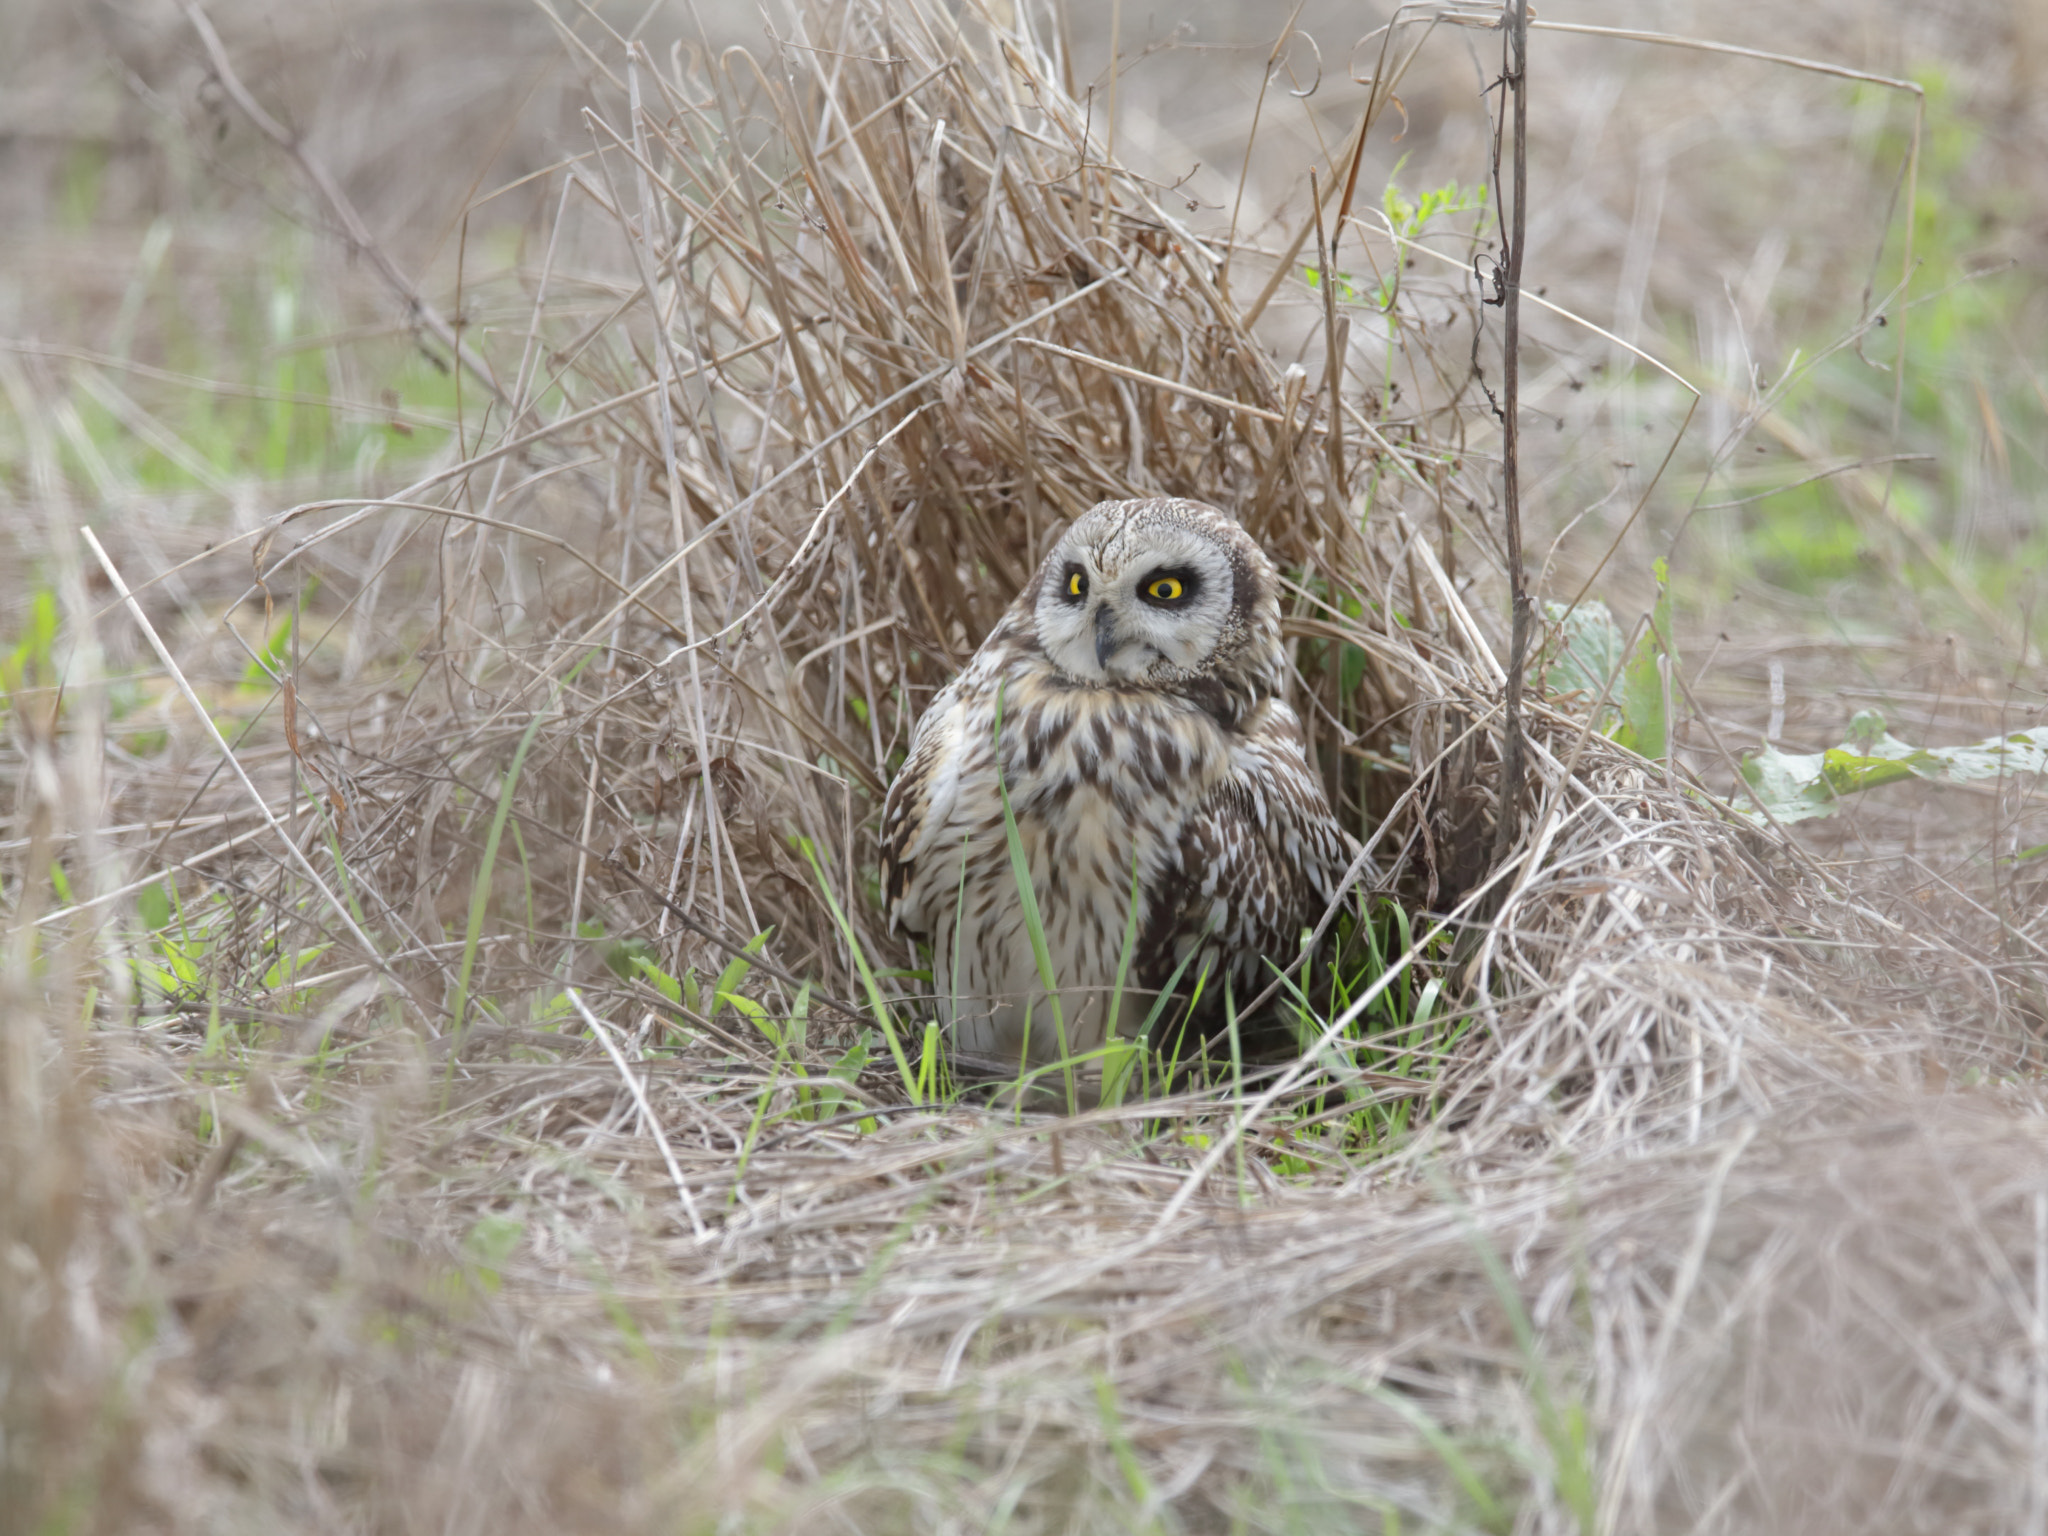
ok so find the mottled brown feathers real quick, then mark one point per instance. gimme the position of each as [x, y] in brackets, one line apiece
[1165, 771]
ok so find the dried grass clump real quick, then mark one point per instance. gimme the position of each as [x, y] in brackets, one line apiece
[914, 321]
[420, 1204]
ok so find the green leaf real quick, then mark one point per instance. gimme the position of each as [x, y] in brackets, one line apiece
[1643, 705]
[1995, 757]
[1798, 786]
[847, 1069]
[657, 978]
[1027, 898]
[490, 1243]
[735, 972]
[268, 663]
[153, 906]
[287, 966]
[798, 1029]
[867, 975]
[851, 1063]
[1847, 772]
[1342, 281]
[752, 1012]
[1587, 652]
[32, 663]
[1792, 787]
[156, 977]
[183, 962]
[623, 956]
[1426, 1004]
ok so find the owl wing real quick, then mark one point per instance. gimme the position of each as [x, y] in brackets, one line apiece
[1259, 858]
[920, 803]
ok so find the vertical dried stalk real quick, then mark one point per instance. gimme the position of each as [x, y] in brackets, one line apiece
[1512, 766]
[1334, 332]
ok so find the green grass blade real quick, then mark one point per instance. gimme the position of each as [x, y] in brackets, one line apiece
[1027, 897]
[873, 987]
[480, 887]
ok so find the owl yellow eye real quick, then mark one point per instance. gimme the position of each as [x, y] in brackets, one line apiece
[1077, 583]
[1165, 590]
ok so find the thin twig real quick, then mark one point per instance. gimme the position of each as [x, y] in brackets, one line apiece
[634, 1087]
[1513, 768]
[351, 222]
[1139, 376]
[1333, 344]
[297, 854]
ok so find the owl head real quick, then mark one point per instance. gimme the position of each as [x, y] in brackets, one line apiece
[1161, 593]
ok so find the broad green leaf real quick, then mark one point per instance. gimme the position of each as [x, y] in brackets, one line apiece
[1586, 656]
[730, 978]
[657, 978]
[623, 957]
[153, 906]
[851, 1063]
[1798, 786]
[157, 978]
[1793, 787]
[848, 1069]
[2021, 752]
[182, 959]
[752, 1012]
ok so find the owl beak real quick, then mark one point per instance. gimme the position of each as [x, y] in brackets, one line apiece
[1106, 642]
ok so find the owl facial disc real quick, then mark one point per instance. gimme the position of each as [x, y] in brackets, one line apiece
[1135, 593]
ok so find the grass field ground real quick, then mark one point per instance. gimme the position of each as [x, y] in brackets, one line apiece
[488, 489]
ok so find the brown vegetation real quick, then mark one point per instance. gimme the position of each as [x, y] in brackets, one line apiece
[380, 1184]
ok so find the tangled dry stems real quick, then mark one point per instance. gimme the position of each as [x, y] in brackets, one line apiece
[820, 352]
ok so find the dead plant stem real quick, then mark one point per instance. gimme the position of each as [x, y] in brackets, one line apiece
[352, 223]
[1513, 767]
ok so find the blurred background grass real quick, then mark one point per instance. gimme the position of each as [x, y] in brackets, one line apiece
[214, 348]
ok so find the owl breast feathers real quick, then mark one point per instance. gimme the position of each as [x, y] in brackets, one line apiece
[1129, 703]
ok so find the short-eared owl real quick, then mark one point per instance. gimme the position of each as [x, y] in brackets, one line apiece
[1145, 748]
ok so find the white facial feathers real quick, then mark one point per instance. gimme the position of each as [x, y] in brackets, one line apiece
[1145, 591]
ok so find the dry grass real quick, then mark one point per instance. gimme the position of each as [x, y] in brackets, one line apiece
[383, 1187]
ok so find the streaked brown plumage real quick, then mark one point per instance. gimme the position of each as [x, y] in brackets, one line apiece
[1149, 759]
